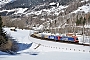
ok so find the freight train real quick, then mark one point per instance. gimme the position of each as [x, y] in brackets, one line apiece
[58, 38]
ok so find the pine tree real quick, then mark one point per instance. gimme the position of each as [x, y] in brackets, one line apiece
[78, 22]
[0, 25]
[89, 19]
[84, 21]
[81, 19]
[3, 37]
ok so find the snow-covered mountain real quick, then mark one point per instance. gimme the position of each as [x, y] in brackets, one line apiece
[40, 7]
[31, 14]
[52, 6]
[3, 2]
[32, 4]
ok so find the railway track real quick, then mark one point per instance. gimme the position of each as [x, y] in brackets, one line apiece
[69, 42]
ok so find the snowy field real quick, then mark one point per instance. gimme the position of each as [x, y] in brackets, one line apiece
[37, 49]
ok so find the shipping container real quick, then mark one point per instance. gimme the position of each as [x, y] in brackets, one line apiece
[42, 35]
[67, 38]
[35, 34]
[46, 36]
[71, 39]
[53, 37]
[38, 35]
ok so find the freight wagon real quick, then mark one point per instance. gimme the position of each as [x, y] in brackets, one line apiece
[53, 37]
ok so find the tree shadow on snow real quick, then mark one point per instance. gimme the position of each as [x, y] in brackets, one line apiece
[23, 46]
[34, 53]
[3, 53]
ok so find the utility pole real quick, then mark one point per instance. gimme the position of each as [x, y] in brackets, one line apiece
[83, 34]
[83, 28]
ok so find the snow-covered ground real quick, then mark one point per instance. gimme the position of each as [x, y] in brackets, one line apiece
[37, 49]
[3, 53]
[49, 56]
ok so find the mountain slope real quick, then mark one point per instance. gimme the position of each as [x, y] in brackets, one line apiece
[32, 3]
[3, 2]
[30, 13]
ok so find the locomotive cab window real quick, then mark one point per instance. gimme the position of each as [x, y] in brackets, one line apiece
[76, 38]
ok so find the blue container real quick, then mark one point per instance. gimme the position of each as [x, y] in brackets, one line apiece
[51, 37]
[70, 38]
[65, 38]
[55, 37]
